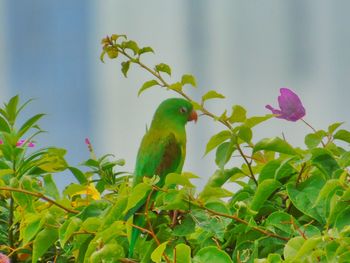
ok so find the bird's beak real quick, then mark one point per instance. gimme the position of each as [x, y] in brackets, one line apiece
[193, 116]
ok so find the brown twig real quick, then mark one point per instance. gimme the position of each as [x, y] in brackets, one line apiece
[39, 195]
[150, 230]
[236, 218]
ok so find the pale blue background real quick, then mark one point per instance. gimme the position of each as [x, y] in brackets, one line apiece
[246, 50]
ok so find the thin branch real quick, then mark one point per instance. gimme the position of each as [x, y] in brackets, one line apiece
[312, 128]
[236, 218]
[41, 196]
[303, 166]
[202, 109]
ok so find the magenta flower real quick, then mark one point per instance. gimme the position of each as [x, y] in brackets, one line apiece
[22, 142]
[1, 142]
[291, 108]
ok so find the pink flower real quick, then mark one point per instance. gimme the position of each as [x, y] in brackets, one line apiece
[291, 108]
[1, 142]
[22, 142]
[4, 258]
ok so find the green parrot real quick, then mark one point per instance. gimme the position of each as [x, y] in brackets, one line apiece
[162, 151]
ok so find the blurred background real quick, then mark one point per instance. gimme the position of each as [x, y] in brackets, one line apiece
[246, 50]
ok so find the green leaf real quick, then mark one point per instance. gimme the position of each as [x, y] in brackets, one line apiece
[281, 221]
[4, 126]
[245, 133]
[212, 254]
[145, 50]
[111, 51]
[307, 247]
[157, 254]
[32, 223]
[52, 161]
[50, 187]
[292, 247]
[115, 37]
[183, 253]
[222, 176]
[125, 68]
[212, 94]
[103, 53]
[147, 85]
[213, 225]
[188, 79]
[327, 189]
[111, 252]
[163, 68]
[275, 144]
[324, 161]
[186, 227]
[268, 171]
[29, 124]
[305, 194]
[342, 220]
[79, 175]
[334, 126]
[11, 109]
[253, 121]
[217, 139]
[265, 189]
[177, 86]
[238, 114]
[224, 153]
[132, 45]
[178, 179]
[138, 193]
[312, 140]
[342, 135]
[43, 241]
[214, 192]
[68, 228]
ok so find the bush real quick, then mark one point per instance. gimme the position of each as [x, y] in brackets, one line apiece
[293, 204]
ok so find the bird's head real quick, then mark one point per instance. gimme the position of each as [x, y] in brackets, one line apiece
[176, 111]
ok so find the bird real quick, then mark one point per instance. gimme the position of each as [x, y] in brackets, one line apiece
[162, 151]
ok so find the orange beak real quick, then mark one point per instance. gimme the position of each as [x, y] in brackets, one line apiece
[193, 116]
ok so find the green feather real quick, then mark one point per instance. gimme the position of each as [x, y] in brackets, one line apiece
[162, 151]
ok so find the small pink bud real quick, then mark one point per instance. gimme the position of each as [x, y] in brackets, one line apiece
[87, 141]
[20, 143]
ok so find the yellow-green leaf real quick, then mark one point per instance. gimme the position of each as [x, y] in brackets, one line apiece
[147, 85]
[188, 79]
[157, 254]
[238, 114]
[217, 139]
[162, 67]
[212, 94]
[177, 86]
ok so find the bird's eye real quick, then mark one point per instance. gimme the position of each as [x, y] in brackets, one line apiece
[183, 110]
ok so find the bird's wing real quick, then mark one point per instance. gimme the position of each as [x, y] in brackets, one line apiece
[159, 154]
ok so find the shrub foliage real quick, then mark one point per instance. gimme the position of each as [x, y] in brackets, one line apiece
[292, 205]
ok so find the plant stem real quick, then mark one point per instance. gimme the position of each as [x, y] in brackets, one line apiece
[39, 195]
[313, 129]
[236, 218]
